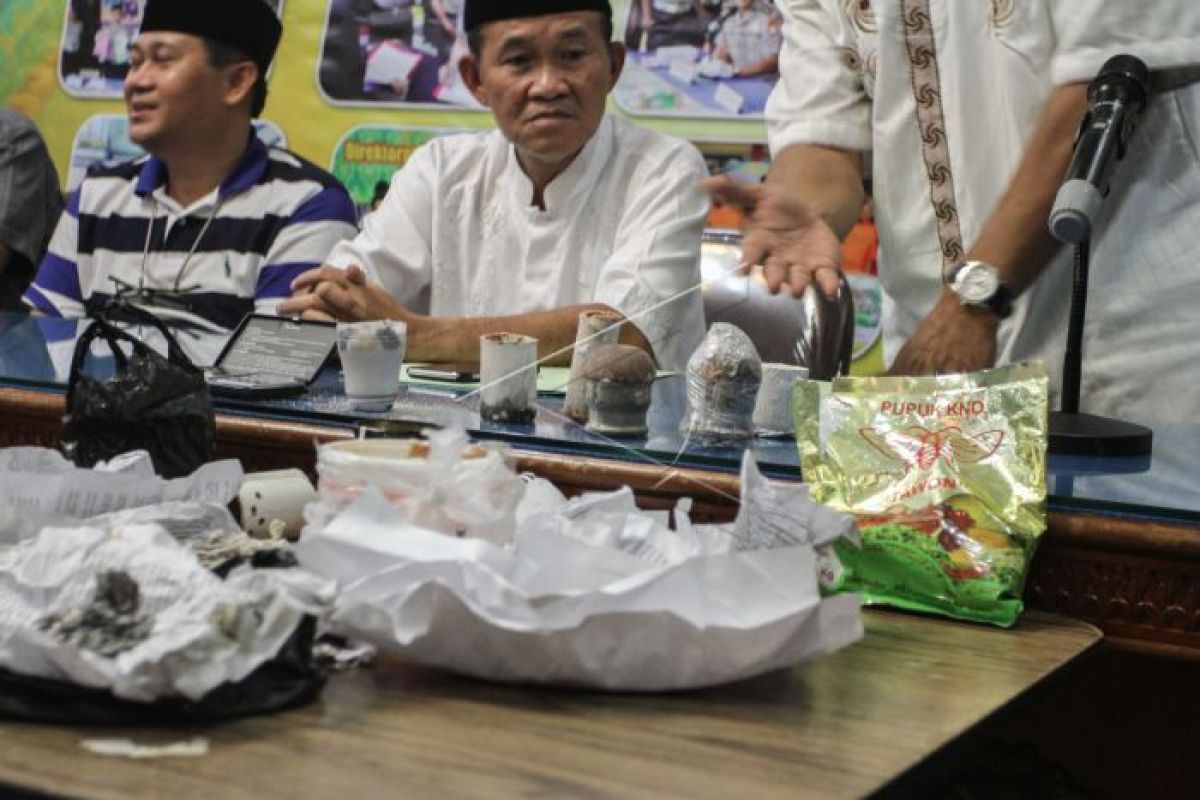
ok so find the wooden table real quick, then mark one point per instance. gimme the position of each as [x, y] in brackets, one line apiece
[1138, 581]
[842, 726]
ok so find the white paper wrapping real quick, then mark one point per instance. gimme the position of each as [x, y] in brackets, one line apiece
[206, 631]
[39, 487]
[594, 592]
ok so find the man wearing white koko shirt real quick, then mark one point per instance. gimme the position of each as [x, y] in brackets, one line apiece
[970, 110]
[561, 210]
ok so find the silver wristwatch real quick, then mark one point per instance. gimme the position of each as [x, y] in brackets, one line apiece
[978, 284]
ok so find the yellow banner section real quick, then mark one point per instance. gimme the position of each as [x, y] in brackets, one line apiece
[345, 67]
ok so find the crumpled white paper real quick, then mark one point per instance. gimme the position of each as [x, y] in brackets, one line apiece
[594, 592]
[206, 631]
[39, 487]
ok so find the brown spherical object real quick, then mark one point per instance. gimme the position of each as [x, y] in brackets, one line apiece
[619, 363]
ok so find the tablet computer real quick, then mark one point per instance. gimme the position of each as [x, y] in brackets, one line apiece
[272, 357]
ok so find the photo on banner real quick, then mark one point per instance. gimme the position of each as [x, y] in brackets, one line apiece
[367, 156]
[394, 53]
[104, 139]
[700, 58]
[94, 54]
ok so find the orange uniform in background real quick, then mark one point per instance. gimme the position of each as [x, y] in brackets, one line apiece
[724, 216]
[860, 249]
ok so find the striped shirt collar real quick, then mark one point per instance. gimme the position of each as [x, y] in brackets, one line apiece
[248, 172]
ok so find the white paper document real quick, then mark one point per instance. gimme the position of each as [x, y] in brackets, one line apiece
[391, 62]
[729, 98]
[593, 591]
[39, 487]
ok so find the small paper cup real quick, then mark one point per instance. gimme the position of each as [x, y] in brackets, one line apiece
[508, 378]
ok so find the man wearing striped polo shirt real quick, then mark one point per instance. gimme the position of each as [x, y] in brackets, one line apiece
[212, 224]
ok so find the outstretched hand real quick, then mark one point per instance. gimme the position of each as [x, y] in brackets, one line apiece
[794, 246]
[339, 294]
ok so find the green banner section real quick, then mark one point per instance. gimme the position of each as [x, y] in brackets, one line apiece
[29, 34]
[367, 156]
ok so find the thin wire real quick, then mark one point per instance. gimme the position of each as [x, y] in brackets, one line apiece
[672, 466]
[621, 446]
[644, 312]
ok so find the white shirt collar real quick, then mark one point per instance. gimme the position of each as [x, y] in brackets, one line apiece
[168, 204]
[579, 175]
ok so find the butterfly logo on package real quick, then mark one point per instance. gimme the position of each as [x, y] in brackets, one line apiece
[918, 447]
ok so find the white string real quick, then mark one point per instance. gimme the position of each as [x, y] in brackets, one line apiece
[644, 312]
[187, 259]
[671, 466]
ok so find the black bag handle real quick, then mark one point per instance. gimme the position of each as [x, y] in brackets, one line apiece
[96, 328]
[102, 326]
[175, 353]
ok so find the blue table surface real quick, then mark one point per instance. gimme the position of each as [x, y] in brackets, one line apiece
[36, 353]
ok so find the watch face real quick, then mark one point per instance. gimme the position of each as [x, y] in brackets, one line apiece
[976, 282]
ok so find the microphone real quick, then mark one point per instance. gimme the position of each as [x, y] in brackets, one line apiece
[1115, 98]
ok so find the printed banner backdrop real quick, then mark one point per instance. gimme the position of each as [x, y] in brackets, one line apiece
[367, 156]
[94, 51]
[347, 71]
[393, 53]
[717, 58]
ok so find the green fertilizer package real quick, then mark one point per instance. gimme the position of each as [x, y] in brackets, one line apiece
[946, 479]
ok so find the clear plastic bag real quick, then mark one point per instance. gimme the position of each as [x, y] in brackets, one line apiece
[723, 377]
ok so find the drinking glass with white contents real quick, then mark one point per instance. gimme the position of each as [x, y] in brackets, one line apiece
[372, 355]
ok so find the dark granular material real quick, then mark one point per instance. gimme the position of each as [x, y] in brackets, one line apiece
[508, 413]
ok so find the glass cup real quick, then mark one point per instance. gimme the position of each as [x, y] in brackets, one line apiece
[372, 355]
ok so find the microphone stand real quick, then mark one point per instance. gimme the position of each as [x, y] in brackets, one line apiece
[1075, 433]
[1116, 96]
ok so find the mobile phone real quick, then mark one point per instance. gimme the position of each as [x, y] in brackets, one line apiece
[254, 387]
[452, 373]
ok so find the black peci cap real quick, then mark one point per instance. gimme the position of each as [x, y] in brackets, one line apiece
[481, 12]
[249, 26]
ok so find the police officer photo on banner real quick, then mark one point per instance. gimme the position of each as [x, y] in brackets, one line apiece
[94, 56]
[394, 52]
[700, 58]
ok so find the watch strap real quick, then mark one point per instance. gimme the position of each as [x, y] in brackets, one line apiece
[1001, 303]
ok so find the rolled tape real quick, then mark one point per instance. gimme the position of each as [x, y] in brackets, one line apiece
[279, 495]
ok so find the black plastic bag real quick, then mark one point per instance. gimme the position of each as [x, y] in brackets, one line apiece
[289, 680]
[156, 403]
